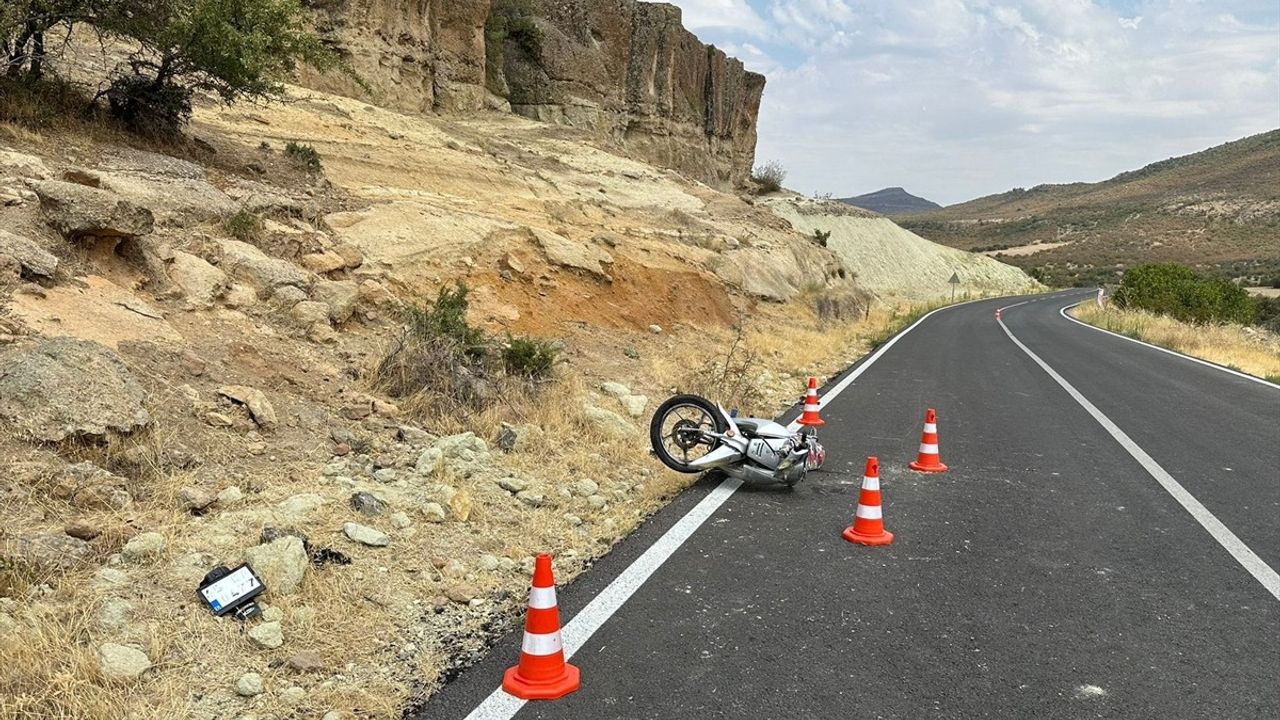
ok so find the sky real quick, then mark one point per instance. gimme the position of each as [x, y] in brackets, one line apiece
[956, 99]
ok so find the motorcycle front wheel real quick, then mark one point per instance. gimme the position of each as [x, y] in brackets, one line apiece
[677, 428]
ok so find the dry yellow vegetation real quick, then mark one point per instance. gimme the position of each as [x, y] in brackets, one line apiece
[1248, 350]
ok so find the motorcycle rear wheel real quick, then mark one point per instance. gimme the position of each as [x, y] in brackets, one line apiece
[674, 426]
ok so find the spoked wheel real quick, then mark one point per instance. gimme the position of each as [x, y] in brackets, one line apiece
[677, 428]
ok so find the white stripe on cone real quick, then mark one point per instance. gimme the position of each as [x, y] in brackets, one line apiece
[542, 598]
[542, 644]
[931, 427]
[928, 449]
[869, 512]
[870, 483]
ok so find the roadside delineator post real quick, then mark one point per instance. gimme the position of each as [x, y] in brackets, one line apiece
[542, 673]
[928, 460]
[868, 519]
[810, 417]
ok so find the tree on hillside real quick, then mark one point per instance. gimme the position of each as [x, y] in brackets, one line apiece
[235, 49]
[23, 24]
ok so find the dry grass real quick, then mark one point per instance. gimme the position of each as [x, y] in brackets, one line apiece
[1248, 350]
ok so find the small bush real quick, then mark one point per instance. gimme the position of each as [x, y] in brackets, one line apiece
[732, 380]
[244, 226]
[529, 357]
[446, 318]
[1175, 290]
[769, 177]
[821, 237]
[305, 156]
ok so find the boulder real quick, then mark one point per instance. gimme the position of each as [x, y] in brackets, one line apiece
[77, 211]
[310, 313]
[199, 281]
[121, 663]
[177, 201]
[263, 412]
[31, 258]
[572, 254]
[323, 262]
[246, 262]
[282, 564]
[609, 422]
[340, 296]
[70, 388]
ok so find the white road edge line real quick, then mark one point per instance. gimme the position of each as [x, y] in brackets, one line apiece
[1258, 568]
[1063, 312]
[501, 706]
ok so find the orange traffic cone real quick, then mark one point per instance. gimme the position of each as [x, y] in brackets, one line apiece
[542, 673]
[928, 460]
[810, 416]
[868, 522]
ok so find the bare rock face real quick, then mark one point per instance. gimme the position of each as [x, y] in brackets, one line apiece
[78, 210]
[625, 69]
[70, 388]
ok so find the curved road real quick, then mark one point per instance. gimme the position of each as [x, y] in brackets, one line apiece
[1052, 573]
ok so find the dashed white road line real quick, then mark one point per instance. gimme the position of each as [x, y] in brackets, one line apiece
[1257, 567]
[1063, 312]
[501, 706]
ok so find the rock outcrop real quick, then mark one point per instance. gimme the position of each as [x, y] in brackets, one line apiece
[626, 70]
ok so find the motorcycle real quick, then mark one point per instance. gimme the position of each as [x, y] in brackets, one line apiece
[691, 434]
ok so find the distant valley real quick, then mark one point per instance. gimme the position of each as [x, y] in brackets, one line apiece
[1217, 210]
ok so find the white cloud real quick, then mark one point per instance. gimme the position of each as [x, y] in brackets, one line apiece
[723, 15]
[958, 98]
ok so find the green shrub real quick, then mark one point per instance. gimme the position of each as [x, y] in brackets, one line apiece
[304, 155]
[446, 318]
[1177, 291]
[245, 226]
[529, 357]
[821, 237]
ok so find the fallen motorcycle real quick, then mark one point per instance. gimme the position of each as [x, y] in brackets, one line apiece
[691, 434]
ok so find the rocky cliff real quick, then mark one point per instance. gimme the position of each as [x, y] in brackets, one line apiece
[627, 71]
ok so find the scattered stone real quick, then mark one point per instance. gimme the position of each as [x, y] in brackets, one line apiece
[230, 496]
[512, 484]
[573, 520]
[635, 405]
[531, 498]
[267, 636]
[351, 255]
[286, 296]
[113, 616]
[429, 461]
[655, 329]
[341, 450]
[323, 262]
[249, 685]
[110, 578]
[199, 281]
[617, 390]
[70, 388]
[460, 506]
[82, 530]
[358, 410]
[454, 569]
[507, 438]
[365, 535]
[78, 210]
[193, 363]
[89, 487]
[401, 521]
[608, 421]
[120, 663]
[367, 504]
[322, 333]
[31, 258]
[586, 487]
[462, 593]
[194, 500]
[292, 695]
[299, 506]
[47, 552]
[306, 661]
[240, 296]
[433, 512]
[597, 502]
[144, 547]
[282, 564]
[385, 475]
[271, 533]
[263, 412]
[489, 563]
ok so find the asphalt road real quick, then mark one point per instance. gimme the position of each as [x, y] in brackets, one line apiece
[1046, 575]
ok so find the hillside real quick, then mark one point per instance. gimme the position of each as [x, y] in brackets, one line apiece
[891, 201]
[1218, 209]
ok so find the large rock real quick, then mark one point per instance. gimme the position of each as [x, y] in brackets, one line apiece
[608, 422]
[199, 281]
[573, 254]
[282, 564]
[182, 202]
[365, 535]
[33, 259]
[51, 551]
[340, 296]
[70, 388]
[263, 412]
[246, 262]
[78, 210]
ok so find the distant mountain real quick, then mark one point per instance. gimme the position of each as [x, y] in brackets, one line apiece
[891, 201]
[1218, 209]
